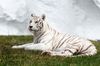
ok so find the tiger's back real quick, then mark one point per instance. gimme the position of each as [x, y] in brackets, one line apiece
[74, 44]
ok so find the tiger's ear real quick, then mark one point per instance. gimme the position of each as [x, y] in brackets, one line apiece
[43, 17]
[31, 15]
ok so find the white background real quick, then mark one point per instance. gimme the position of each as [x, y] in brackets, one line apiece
[81, 17]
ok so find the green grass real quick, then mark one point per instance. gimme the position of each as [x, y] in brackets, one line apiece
[20, 57]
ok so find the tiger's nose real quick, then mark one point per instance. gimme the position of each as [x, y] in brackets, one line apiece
[30, 26]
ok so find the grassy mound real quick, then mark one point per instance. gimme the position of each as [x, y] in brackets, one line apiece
[20, 57]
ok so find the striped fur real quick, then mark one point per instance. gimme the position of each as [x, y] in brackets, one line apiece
[55, 43]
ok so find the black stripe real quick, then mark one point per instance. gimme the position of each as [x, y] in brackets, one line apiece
[81, 48]
[73, 38]
[62, 39]
[68, 38]
[76, 42]
[65, 40]
[53, 38]
[49, 41]
[87, 48]
[62, 42]
[40, 35]
[42, 25]
[69, 51]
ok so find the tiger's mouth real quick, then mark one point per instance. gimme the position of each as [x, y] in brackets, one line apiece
[30, 29]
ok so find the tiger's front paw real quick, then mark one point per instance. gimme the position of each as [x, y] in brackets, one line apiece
[14, 47]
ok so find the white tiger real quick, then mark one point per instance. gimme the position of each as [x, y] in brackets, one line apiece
[49, 40]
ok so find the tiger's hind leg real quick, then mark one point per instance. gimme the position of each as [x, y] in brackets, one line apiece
[90, 51]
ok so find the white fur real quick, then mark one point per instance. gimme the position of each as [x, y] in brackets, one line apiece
[57, 43]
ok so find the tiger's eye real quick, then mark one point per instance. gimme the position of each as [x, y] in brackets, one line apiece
[36, 21]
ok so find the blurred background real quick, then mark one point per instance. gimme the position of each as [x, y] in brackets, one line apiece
[81, 17]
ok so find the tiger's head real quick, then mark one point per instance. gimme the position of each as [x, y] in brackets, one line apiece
[36, 22]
